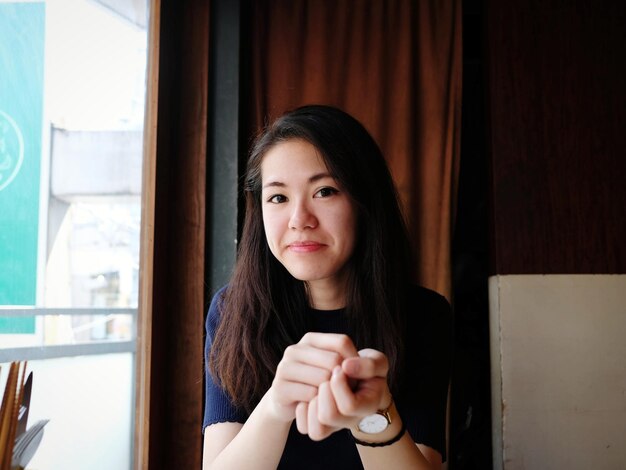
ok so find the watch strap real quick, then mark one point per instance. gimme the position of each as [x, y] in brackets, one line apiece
[381, 444]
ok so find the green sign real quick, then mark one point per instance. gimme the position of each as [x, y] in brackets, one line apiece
[21, 118]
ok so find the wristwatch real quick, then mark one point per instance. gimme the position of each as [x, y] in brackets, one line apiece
[377, 422]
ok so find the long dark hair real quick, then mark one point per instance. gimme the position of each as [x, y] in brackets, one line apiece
[264, 308]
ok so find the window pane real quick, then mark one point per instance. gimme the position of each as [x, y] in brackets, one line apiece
[72, 88]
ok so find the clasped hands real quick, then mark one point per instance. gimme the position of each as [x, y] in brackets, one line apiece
[325, 384]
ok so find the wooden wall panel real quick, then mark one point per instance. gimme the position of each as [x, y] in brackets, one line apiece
[178, 289]
[556, 97]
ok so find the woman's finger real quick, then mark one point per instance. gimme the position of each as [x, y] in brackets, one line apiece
[338, 343]
[302, 373]
[307, 354]
[345, 399]
[302, 410]
[286, 392]
[314, 427]
[368, 397]
[370, 363]
[317, 431]
[327, 413]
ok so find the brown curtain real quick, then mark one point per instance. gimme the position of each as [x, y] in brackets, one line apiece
[176, 339]
[396, 66]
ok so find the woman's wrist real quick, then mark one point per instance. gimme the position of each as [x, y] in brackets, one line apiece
[393, 432]
[272, 412]
[391, 441]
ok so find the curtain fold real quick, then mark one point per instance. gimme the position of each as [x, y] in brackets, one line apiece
[176, 352]
[394, 65]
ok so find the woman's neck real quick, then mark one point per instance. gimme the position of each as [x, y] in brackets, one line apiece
[326, 295]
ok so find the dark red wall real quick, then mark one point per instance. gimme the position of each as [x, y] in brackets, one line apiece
[556, 113]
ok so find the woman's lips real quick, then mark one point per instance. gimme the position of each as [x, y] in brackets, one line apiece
[305, 247]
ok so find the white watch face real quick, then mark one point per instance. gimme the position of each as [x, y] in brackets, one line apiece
[373, 424]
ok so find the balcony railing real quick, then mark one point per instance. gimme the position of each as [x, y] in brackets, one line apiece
[83, 383]
[82, 348]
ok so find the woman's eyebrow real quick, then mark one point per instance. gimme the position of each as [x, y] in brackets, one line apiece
[319, 176]
[312, 179]
[273, 184]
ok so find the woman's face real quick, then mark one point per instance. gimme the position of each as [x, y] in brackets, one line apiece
[310, 221]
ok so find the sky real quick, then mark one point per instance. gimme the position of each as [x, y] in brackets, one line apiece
[95, 65]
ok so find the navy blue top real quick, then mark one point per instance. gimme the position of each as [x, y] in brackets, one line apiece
[421, 400]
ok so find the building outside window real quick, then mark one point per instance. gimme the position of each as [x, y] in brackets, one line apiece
[72, 93]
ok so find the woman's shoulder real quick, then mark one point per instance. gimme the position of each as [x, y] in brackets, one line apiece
[218, 297]
[215, 308]
[428, 307]
[421, 297]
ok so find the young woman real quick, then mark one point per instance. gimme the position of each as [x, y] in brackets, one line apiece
[320, 352]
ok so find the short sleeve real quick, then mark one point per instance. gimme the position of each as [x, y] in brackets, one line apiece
[422, 403]
[218, 407]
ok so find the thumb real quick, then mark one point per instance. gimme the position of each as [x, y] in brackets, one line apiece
[370, 363]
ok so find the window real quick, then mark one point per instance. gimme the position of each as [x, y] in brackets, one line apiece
[72, 88]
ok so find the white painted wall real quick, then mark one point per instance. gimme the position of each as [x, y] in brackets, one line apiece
[95, 163]
[558, 351]
[89, 402]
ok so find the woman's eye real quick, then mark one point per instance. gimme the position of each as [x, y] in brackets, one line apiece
[277, 199]
[325, 192]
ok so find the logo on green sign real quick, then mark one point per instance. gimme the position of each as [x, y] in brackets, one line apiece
[11, 149]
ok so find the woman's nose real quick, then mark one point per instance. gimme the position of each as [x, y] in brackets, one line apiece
[302, 217]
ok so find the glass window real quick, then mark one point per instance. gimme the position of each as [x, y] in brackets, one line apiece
[72, 95]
